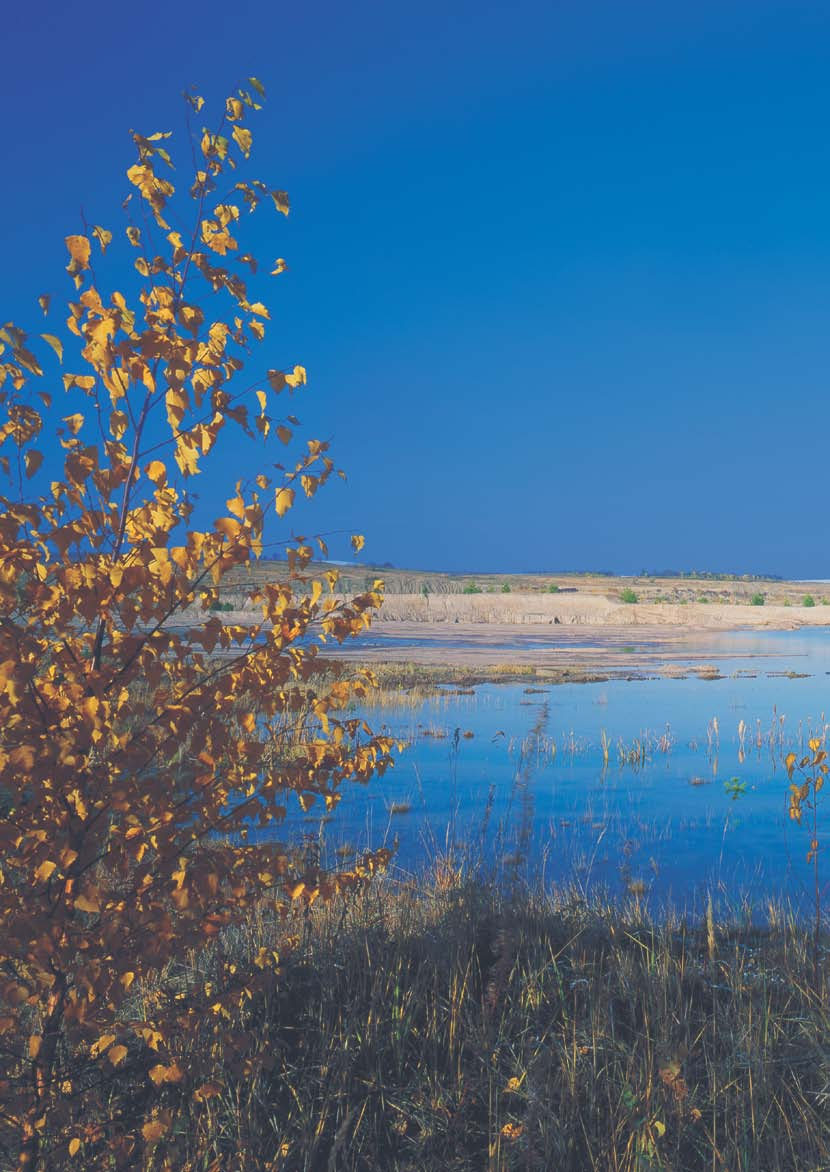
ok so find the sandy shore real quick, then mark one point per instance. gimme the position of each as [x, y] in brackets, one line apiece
[582, 632]
[587, 652]
[571, 635]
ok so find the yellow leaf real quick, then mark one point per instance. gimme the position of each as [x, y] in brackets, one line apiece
[357, 542]
[102, 236]
[279, 267]
[228, 527]
[299, 377]
[74, 1146]
[44, 871]
[152, 1037]
[43, 302]
[80, 250]
[103, 1043]
[243, 139]
[284, 501]
[35, 1042]
[74, 422]
[117, 1054]
[33, 460]
[118, 424]
[162, 1074]
[84, 381]
[156, 472]
[153, 1131]
[208, 1090]
[191, 317]
[236, 506]
[55, 343]
[186, 456]
[85, 904]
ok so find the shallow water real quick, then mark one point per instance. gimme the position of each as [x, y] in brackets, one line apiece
[692, 798]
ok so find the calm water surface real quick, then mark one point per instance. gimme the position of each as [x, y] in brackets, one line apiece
[531, 789]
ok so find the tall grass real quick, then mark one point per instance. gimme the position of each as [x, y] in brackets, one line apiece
[459, 1023]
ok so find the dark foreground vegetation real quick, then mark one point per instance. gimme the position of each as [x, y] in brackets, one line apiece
[451, 1025]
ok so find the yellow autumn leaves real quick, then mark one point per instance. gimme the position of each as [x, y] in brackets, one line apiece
[141, 735]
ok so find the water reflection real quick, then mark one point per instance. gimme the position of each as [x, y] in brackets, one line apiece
[666, 788]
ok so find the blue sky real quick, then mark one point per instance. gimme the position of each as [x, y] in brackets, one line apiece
[560, 272]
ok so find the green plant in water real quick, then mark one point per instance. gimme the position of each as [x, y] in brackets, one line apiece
[735, 788]
[628, 595]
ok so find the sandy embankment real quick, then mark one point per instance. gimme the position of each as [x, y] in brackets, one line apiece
[591, 610]
[566, 636]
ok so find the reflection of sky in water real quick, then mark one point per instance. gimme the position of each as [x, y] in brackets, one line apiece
[668, 823]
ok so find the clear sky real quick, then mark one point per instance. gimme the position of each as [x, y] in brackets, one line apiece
[560, 272]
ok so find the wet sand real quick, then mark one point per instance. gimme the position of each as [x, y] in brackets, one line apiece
[594, 652]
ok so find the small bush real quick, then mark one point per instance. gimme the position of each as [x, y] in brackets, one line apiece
[808, 600]
[629, 595]
[472, 588]
[553, 588]
[757, 600]
[505, 588]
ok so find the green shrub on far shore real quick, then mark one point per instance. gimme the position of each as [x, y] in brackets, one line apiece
[808, 600]
[553, 588]
[628, 595]
[217, 604]
[758, 600]
[472, 588]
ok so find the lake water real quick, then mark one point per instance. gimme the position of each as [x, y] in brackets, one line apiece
[691, 800]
